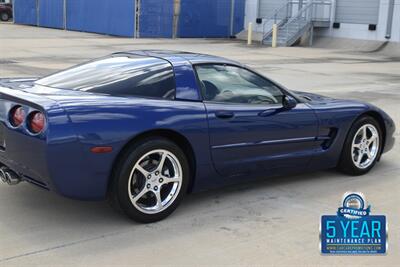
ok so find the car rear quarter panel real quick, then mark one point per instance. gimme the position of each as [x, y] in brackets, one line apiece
[115, 121]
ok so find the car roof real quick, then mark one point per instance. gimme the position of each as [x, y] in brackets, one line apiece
[171, 56]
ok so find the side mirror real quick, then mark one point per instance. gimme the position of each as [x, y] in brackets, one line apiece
[289, 102]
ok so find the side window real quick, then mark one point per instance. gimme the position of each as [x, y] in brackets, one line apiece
[224, 83]
[156, 81]
[152, 80]
[118, 76]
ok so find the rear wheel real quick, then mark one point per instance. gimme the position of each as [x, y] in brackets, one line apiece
[151, 180]
[362, 147]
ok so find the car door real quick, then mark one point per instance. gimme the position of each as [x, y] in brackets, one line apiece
[249, 129]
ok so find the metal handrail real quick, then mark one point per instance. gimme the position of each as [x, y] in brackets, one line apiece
[304, 13]
[299, 14]
[278, 10]
[274, 18]
[301, 19]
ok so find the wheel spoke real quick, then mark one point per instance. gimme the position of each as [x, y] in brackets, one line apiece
[158, 199]
[368, 153]
[140, 194]
[356, 146]
[364, 132]
[142, 170]
[168, 180]
[372, 138]
[359, 157]
[162, 161]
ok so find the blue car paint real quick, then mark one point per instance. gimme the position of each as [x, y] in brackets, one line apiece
[256, 141]
[261, 138]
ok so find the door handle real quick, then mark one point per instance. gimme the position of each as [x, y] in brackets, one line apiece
[267, 112]
[224, 114]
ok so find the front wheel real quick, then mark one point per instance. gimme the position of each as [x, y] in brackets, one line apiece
[151, 180]
[362, 147]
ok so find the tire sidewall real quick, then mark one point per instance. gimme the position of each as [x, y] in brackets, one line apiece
[347, 163]
[125, 167]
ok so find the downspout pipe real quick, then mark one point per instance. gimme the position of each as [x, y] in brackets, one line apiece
[65, 14]
[389, 20]
[13, 11]
[232, 17]
[177, 11]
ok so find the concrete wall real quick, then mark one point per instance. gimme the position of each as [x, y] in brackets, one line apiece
[251, 13]
[346, 30]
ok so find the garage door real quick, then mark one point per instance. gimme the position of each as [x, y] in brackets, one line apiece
[266, 8]
[357, 11]
[156, 18]
[210, 18]
[51, 13]
[25, 12]
[102, 16]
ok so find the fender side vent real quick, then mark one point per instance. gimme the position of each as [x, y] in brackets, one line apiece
[328, 139]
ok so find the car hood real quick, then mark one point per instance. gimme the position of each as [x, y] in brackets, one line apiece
[321, 102]
[315, 98]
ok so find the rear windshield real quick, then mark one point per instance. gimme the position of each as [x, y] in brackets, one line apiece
[119, 76]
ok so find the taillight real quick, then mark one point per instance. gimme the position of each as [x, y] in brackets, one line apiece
[36, 122]
[17, 116]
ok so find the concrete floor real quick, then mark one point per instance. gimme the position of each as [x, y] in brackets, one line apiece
[271, 222]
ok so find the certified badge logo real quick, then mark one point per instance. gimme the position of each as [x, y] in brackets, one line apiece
[353, 230]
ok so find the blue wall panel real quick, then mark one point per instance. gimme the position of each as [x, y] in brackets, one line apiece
[238, 19]
[102, 16]
[25, 12]
[198, 18]
[156, 18]
[51, 13]
[206, 18]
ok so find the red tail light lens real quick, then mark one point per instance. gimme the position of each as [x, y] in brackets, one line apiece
[17, 116]
[36, 122]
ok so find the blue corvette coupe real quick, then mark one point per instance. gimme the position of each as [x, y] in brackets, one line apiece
[143, 128]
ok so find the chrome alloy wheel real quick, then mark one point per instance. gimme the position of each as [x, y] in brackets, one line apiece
[365, 146]
[155, 181]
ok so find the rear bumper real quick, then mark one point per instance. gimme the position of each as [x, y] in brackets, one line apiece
[25, 155]
[59, 168]
[24, 173]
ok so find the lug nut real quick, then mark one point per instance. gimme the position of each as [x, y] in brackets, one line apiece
[149, 176]
[155, 188]
[161, 180]
[157, 173]
[148, 185]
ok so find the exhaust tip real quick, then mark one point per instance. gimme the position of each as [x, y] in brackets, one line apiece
[3, 175]
[8, 176]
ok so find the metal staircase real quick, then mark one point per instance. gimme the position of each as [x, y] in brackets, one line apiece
[296, 18]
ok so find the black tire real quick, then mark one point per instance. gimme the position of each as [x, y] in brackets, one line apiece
[119, 194]
[4, 16]
[346, 164]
